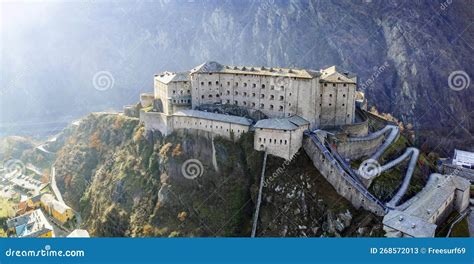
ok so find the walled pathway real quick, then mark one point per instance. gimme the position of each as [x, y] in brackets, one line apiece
[214, 158]
[259, 198]
[394, 133]
[359, 188]
[54, 187]
[460, 217]
[410, 152]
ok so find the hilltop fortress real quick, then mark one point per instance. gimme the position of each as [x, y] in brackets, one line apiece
[320, 112]
[285, 101]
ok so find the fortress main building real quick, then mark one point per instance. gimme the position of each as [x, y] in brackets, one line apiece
[286, 101]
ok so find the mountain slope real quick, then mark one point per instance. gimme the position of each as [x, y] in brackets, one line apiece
[403, 52]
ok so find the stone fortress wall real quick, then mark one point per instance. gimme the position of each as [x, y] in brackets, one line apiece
[355, 150]
[280, 137]
[230, 129]
[354, 143]
[340, 179]
[156, 121]
[360, 126]
[185, 120]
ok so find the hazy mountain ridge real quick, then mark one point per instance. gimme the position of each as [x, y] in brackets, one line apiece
[420, 43]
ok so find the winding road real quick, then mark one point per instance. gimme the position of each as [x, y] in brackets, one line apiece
[394, 132]
[413, 153]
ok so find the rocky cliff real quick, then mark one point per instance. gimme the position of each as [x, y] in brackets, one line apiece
[127, 183]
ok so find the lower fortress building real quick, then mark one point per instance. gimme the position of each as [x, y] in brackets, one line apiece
[320, 112]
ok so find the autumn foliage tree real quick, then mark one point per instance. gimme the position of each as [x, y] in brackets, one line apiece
[94, 141]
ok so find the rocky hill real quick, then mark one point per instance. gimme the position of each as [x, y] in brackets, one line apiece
[127, 183]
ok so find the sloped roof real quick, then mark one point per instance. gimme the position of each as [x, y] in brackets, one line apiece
[464, 157]
[47, 198]
[60, 207]
[414, 217]
[215, 67]
[214, 116]
[50, 201]
[290, 123]
[298, 120]
[207, 67]
[167, 77]
[433, 195]
[31, 224]
[36, 198]
[409, 224]
[336, 75]
[336, 78]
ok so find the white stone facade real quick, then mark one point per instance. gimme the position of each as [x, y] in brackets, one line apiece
[230, 127]
[174, 91]
[420, 215]
[299, 99]
[325, 98]
[280, 137]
